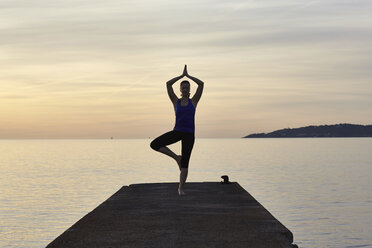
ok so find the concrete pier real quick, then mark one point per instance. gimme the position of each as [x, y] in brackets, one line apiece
[153, 215]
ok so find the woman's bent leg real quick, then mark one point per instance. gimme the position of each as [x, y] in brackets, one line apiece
[159, 144]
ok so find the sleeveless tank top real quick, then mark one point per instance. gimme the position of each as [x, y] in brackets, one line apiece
[185, 117]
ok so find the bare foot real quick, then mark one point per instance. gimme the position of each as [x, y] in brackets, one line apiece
[181, 192]
[179, 157]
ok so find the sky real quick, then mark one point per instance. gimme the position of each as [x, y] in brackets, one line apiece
[97, 69]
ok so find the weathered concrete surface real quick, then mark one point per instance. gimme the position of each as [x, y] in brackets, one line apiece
[153, 215]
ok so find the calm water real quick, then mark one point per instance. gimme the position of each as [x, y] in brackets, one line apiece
[321, 189]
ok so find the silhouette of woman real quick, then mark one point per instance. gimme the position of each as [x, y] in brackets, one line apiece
[184, 128]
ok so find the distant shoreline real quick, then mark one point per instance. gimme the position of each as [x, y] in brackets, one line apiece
[322, 131]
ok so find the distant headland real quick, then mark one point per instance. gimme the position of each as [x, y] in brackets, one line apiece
[338, 130]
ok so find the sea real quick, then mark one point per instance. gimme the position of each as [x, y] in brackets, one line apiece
[319, 188]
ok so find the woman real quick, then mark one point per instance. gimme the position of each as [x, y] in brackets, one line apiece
[184, 128]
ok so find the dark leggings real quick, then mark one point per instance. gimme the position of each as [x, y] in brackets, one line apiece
[172, 137]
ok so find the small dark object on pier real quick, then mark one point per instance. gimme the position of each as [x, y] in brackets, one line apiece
[225, 179]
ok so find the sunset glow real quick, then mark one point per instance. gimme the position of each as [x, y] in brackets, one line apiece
[96, 69]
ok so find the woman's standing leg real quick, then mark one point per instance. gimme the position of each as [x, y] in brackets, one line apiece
[187, 145]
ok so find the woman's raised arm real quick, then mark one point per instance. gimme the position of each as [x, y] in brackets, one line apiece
[171, 94]
[195, 99]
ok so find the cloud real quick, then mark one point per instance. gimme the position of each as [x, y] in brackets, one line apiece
[14, 97]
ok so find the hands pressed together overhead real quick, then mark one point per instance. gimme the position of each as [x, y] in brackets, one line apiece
[185, 73]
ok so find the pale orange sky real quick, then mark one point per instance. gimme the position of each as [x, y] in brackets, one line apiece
[94, 69]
